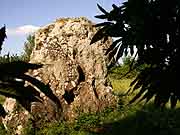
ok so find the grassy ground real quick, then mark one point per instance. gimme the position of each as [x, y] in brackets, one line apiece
[120, 85]
[135, 119]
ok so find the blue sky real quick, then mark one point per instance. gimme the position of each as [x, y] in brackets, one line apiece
[21, 17]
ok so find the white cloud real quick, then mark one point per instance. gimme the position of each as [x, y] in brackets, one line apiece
[22, 30]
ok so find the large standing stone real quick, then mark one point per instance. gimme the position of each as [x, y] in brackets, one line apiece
[75, 70]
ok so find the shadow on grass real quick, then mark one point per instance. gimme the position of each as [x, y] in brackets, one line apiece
[148, 121]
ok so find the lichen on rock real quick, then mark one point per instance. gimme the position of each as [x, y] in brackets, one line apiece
[75, 70]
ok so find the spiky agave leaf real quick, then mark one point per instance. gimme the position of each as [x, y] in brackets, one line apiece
[43, 88]
[16, 68]
[2, 111]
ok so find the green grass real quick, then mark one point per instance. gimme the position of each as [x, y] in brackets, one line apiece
[120, 85]
[2, 99]
[134, 119]
[129, 120]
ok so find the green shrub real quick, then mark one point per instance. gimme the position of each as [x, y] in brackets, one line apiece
[55, 129]
[10, 58]
[60, 128]
[86, 121]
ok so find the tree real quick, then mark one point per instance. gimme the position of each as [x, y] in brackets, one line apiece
[153, 28]
[28, 47]
[13, 77]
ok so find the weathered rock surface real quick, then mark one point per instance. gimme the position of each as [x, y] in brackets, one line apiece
[16, 116]
[75, 70]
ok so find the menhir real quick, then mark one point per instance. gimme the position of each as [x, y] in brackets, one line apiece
[75, 70]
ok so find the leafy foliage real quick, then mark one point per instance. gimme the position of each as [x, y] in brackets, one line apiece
[13, 77]
[123, 70]
[28, 47]
[153, 28]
